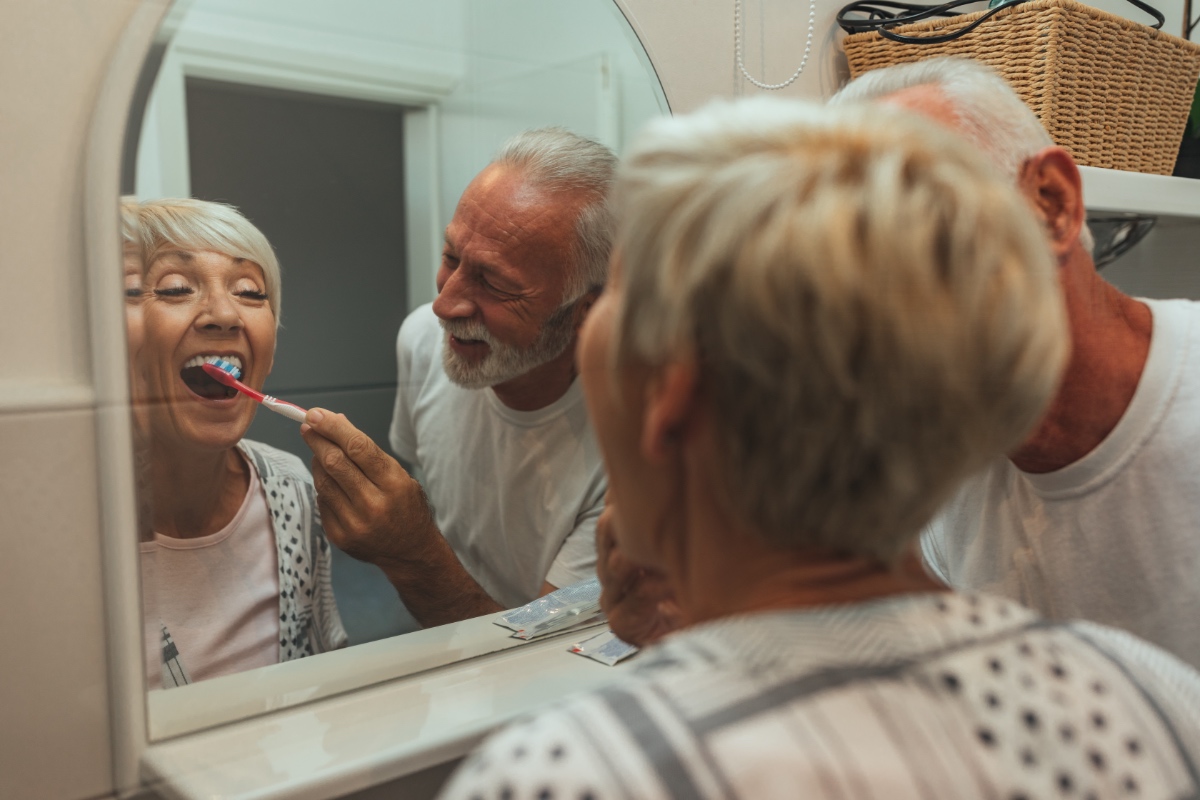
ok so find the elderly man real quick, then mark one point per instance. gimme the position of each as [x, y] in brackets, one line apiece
[1097, 513]
[488, 406]
[819, 321]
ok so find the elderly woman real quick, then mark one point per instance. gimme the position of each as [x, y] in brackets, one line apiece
[820, 321]
[237, 572]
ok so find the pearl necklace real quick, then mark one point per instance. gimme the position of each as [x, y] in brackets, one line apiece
[737, 46]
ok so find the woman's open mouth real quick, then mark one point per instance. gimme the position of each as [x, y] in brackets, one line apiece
[201, 384]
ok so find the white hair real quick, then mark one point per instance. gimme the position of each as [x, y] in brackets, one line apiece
[190, 224]
[988, 111]
[556, 160]
[872, 310]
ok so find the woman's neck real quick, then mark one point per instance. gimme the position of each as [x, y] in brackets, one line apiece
[722, 569]
[196, 492]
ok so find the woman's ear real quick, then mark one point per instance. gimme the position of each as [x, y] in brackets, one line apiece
[671, 398]
[1050, 181]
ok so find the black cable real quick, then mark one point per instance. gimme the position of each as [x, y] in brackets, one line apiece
[881, 15]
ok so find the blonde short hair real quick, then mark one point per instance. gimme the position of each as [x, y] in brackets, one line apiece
[190, 224]
[131, 233]
[873, 312]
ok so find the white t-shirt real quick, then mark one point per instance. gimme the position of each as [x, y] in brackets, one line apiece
[1114, 537]
[515, 493]
[921, 697]
[218, 595]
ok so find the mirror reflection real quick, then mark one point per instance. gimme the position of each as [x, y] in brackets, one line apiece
[237, 572]
[428, 181]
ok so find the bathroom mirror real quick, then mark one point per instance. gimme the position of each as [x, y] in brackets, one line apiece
[345, 133]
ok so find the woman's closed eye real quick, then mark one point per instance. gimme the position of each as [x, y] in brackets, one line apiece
[174, 291]
[251, 294]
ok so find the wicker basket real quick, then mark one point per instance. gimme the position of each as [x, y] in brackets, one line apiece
[1112, 92]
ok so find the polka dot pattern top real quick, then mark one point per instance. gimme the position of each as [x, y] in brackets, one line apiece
[930, 696]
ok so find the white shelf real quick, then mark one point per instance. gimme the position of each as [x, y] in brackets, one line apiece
[1158, 195]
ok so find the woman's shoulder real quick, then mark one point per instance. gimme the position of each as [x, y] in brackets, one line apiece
[271, 462]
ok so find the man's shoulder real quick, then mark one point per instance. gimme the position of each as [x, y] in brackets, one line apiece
[1176, 318]
[972, 496]
[419, 329]
[419, 346]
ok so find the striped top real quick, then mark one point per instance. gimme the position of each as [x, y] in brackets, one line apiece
[921, 696]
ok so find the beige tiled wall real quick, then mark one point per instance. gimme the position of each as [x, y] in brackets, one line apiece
[54, 691]
[54, 707]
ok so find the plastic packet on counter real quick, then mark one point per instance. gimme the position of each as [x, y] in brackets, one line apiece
[605, 648]
[584, 614]
[571, 605]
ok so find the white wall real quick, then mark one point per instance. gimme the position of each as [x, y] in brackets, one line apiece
[491, 68]
[54, 711]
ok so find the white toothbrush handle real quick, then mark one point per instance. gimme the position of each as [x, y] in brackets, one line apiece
[289, 410]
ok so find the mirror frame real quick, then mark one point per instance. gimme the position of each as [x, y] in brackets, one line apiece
[110, 155]
[122, 96]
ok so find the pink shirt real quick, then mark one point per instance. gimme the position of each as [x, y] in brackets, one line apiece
[218, 595]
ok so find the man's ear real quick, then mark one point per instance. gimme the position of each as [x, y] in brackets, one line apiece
[1050, 181]
[671, 399]
[583, 305]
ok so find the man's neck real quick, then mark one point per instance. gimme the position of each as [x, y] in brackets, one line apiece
[1110, 342]
[541, 386]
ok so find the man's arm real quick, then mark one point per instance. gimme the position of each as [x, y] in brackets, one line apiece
[373, 510]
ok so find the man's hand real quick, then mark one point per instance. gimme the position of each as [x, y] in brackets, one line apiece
[371, 508]
[639, 604]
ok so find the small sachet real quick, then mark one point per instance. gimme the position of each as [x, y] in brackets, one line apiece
[605, 648]
[571, 605]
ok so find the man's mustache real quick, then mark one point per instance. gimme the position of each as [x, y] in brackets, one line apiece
[467, 329]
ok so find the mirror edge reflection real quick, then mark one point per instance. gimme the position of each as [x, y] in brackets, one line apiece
[107, 141]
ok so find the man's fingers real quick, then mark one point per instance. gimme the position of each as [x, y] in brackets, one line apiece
[367, 456]
[336, 463]
[331, 497]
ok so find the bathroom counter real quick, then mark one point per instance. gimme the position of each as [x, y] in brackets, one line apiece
[332, 737]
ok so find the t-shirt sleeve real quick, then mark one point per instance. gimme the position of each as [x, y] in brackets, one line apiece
[401, 435]
[930, 554]
[576, 559]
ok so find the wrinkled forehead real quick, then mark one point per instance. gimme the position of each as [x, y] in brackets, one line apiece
[502, 210]
[131, 257]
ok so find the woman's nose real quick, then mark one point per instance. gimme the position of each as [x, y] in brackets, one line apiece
[219, 313]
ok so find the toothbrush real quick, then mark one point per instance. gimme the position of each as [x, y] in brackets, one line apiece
[226, 373]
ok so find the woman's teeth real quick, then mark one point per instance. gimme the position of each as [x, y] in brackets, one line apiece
[196, 361]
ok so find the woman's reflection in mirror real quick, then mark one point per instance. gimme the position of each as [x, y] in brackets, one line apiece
[236, 571]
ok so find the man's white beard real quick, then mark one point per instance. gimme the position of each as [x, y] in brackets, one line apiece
[504, 362]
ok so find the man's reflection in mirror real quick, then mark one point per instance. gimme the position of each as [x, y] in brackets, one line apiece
[488, 407]
[236, 572]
